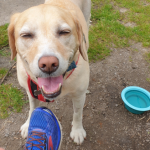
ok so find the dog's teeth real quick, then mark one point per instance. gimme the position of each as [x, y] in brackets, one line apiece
[46, 91]
[59, 85]
[42, 87]
[58, 88]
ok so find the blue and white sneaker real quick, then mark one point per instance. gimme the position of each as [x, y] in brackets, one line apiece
[44, 131]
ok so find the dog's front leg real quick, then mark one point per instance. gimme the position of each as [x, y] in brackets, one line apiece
[78, 133]
[33, 104]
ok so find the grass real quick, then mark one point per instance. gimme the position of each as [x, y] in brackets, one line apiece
[5, 51]
[148, 79]
[138, 12]
[3, 36]
[108, 28]
[3, 71]
[10, 100]
[107, 32]
[4, 41]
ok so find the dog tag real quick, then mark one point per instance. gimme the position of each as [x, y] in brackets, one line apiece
[36, 92]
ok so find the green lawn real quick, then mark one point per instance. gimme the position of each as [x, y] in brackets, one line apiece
[10, 100]
[3, 71]
[3, 36]
[10, 97]
[108, 28]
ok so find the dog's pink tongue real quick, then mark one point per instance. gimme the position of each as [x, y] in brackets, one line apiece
[50, 84]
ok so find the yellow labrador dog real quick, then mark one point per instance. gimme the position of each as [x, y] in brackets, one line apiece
[51, 43]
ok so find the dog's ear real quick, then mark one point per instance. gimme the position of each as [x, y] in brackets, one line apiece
[11, 32]
[82, 41]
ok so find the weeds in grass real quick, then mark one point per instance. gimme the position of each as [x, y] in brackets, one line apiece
[148, 79]
[3, 71]
[130, 58]
[10, 100]
[135, 50]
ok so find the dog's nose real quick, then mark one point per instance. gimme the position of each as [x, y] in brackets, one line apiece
[48, 64]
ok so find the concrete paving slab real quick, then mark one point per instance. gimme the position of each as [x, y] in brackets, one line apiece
[9, 7]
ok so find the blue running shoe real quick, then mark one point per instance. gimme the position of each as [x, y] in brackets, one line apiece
[44, 131]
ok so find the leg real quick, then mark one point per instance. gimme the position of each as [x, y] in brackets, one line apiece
[33, 104]
[78, 133]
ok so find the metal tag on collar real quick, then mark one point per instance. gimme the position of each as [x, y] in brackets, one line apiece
[36, 92]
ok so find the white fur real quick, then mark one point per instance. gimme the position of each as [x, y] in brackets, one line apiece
[48, 49]
[78, 133]
[65, 26]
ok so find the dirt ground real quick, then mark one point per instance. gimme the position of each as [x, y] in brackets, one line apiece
[108, 124]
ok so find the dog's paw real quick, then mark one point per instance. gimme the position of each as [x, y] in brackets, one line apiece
[78, 135]
[24, 130]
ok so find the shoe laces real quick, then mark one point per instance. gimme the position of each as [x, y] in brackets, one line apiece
[41, 140]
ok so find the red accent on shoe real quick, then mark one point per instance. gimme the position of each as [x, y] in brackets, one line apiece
[50, 144]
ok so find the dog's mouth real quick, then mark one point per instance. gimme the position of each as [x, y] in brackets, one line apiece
[51, 86]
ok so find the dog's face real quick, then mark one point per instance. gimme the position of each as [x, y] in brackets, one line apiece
[46, 38]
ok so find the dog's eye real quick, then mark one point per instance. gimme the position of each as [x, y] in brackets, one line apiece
[27, 35]
[64, 32]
